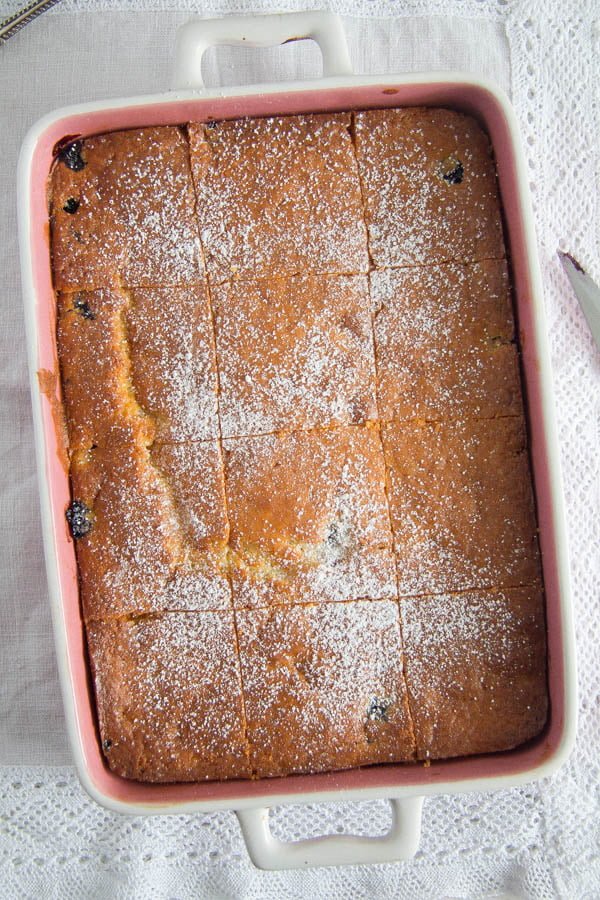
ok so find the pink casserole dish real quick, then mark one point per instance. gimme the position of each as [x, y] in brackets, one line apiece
[338, 89]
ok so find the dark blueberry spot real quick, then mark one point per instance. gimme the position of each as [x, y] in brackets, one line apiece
[333, 535]
[210, 124]
[78, 237]
[378, 709]
[452, 170]
[107, 744]
[83, 308]
[79, 517]
[71, 156]
[71, 206]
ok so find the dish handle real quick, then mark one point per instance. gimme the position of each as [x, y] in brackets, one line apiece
[196, 36]
[268, 852]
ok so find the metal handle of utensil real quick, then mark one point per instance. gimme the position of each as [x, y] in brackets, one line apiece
[196, 36]
[268, 852]
[14, 23]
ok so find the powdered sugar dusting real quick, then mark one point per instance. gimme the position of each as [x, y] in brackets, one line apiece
[294, 353]
[171, 709]
[173, 366]
[201, 584]
[134, 222]
[414, 215]
[278, 196]
[461, 504]
[194, 473]
[476, 669]
[323, 687]
[308, 516]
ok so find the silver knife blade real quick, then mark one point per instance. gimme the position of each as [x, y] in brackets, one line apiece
[586, 291]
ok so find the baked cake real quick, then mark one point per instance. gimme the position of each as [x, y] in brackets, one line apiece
[301, 497]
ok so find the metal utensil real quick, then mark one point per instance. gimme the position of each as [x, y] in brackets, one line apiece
[22, 17]
[586, 291]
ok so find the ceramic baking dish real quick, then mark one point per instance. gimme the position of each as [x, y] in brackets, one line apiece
[338, 89]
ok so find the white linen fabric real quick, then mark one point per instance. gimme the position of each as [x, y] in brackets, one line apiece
[538, 841]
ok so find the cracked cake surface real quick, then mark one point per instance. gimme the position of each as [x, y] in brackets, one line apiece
[301, 497]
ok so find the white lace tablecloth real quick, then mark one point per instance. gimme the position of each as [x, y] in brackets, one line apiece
[538, 841]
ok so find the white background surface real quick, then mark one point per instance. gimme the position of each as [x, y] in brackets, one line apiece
[538, 841]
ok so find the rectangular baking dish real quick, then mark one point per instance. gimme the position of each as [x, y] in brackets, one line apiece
[338, 89]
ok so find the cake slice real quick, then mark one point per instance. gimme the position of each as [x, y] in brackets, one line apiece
[278, 196]
[429, 187]
[169, 697]
[145, 543]
[475, 669]
[443, 342]
[294, 353]
[323, 687]
[308, 517]
[122, 212]
[145, 358]
[461, 503]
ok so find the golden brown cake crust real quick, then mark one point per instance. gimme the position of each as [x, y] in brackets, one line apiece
[278, 196]
[461, 505]
[476, 670]
[443, 342]
[96, 370]
[301, 491]
[429, 184]
[309, 518]
[317, 367]
[324, 687]
[150, 548]
[122, 212]
[169, 696]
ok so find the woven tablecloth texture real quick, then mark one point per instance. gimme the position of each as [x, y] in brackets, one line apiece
[537, 841]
